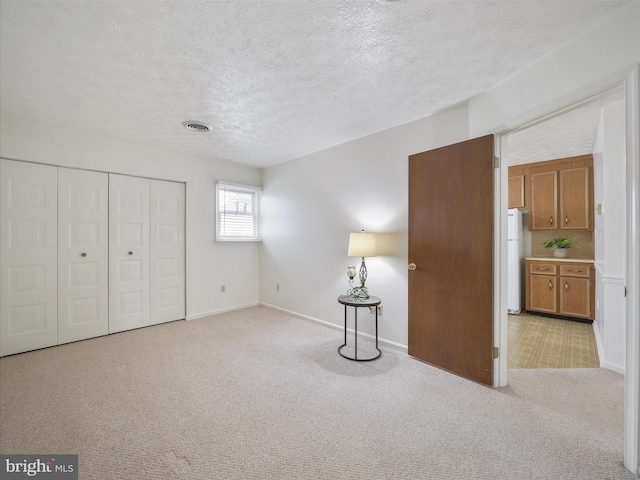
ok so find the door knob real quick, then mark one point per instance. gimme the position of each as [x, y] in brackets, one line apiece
[130, 253]
[412, 266]
[83, 254]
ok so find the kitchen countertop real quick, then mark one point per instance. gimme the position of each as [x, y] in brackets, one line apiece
[558, 259]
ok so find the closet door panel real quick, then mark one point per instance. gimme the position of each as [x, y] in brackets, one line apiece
[167, 299]
[28, 265]
[83, 254]
[128, 252]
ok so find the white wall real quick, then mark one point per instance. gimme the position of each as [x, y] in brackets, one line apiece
[598, 233]
[614, 228]
[588, 64]
[209, 264]
[311, 205]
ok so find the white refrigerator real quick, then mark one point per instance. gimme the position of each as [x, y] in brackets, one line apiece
[514, 261]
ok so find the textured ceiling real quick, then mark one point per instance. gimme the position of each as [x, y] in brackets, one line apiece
[275, 79]
[566, 135]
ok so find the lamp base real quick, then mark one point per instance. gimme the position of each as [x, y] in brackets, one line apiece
[358, 293]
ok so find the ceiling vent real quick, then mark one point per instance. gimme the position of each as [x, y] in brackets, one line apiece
[196, 126]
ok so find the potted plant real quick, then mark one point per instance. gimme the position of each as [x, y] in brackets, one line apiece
[559, 245]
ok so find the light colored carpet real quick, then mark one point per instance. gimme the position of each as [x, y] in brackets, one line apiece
[545, 342]
[256, 394]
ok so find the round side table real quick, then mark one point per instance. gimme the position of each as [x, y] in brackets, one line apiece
[350, 302]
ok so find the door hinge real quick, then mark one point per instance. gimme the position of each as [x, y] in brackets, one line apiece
[496, 162]
[496, 352]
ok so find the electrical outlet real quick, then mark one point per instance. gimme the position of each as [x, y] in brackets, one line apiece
[372, 310]
[223, 288]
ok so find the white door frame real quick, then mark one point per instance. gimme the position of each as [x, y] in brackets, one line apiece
[632, 364]
[632, 374]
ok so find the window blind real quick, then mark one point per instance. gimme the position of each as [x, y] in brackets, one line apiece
[238, 212]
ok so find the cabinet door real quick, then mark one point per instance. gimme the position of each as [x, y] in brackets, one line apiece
[575, 297]
[83, 254]
[167, 252]
[516, 191]
[28, 256]
[574, 199]
[128, 252]
[544, 201]
[542, 293]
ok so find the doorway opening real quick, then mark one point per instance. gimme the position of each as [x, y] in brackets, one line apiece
[594, 127]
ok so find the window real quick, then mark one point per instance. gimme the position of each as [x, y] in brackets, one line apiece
[238, 213]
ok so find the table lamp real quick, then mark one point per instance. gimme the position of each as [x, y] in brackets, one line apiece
[361, 245]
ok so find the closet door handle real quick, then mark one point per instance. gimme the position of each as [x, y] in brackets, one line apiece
[83, 254]
[130, 253]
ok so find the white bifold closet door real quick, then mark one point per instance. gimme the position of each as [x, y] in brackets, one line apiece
[167, 251]
[128, 252]
[146, 252]
[28, 256]
[83, 254]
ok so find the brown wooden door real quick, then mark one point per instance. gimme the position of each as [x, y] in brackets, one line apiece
[574, 198]
[544, 201]
[451, 244]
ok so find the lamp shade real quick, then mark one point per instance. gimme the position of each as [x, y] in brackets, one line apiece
[362, 245]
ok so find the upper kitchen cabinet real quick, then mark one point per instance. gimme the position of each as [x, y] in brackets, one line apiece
[544, 200]
[561, 194]
[516, 189]
[576, 199]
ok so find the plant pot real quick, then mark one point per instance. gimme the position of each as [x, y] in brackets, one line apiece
[560, 252]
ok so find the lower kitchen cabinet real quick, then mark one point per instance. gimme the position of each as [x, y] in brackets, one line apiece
[561, 288]
[542, 288]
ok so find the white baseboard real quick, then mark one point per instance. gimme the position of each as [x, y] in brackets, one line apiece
[222, 310]
[614, 368]
[599, 346]
[382, 341]
[603, 363]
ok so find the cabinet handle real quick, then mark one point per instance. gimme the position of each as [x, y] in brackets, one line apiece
[130, 253]
[83, 254]
[543, 269]
[566, 286]
[550, 220]
[550, 284]
[574, 271]
[566, 220]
